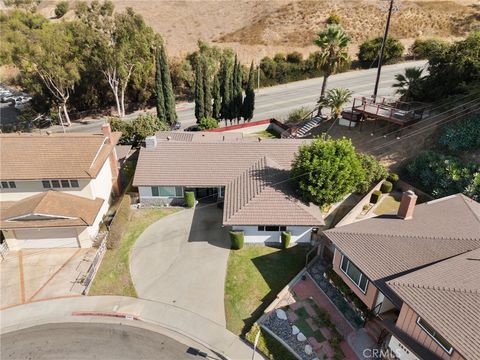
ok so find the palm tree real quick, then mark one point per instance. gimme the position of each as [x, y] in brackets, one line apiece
[333, 42]
[335, 99]
[409, 84]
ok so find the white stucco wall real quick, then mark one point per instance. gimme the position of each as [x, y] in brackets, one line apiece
[102, 184]
[400, 351]
[300, 234]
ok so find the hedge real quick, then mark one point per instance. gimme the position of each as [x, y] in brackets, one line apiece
[237, 239]
[189, 199]
[386, 187]
[286, 237]
[375, 196]
[119, 223]
[393, 178]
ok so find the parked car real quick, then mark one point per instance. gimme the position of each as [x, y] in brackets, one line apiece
[176, 126]
[192, 128]
[21, 101]
[8, 98]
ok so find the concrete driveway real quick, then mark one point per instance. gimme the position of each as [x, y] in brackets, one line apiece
[38, 274]
[181, 260]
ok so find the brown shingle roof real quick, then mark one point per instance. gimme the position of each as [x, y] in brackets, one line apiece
[254, 174]
[263, 194]
[386, 245]
[198, 136]
[447, 296]
[50, 209]
[54, 156]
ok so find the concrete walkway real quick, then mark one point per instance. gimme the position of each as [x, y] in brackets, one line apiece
[142, 313]
[182, 259]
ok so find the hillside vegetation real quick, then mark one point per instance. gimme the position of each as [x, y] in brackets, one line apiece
[255, 29]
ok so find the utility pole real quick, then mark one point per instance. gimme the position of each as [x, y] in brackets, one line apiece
[382, 50]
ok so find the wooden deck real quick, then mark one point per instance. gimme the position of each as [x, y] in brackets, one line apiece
[388, 112]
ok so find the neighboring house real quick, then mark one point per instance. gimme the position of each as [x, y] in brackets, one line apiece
[56, 188]
[252, 175]
[419, 271]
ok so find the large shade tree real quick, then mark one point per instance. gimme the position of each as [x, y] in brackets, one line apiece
[333, 43]
[59, 73]
[326, 170]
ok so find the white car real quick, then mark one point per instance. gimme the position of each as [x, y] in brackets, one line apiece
[21, 101]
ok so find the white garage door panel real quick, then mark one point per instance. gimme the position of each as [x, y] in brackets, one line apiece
[46, 238]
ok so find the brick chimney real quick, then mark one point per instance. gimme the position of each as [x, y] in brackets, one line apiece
[407, 205]
[107, 132]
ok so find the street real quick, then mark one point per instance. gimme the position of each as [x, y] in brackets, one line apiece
[278, 101]
[91, 341]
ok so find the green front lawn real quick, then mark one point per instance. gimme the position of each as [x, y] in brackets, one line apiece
[388, 205]
[255, 274]
[113, 276]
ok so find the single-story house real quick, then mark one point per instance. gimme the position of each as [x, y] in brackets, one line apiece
[251, 176]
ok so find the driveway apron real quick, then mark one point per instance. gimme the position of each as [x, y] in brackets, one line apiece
[181, 260]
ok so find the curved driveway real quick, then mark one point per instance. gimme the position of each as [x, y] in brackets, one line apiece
[182, 260]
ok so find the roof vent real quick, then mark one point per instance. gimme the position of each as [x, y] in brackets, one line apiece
[407, 205]
[151, 142]
[169, 138]
[259, 139]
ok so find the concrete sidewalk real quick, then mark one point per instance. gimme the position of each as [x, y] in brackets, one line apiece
[174, 319]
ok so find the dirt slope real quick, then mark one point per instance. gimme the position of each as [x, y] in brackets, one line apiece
[255, 28]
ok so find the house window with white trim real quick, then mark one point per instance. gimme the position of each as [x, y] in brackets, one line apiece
[354, 274]
[272, 228]
[59, 184]
[8, 185]
[439, 339]
[167, 191]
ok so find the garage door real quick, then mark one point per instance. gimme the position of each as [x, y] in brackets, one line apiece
[46, 238]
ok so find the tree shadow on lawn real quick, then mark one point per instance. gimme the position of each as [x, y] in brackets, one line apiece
[277, 269]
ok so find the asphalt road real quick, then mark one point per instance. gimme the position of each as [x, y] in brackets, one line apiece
[278, 101]
[91, 341]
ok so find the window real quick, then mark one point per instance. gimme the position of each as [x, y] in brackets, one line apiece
[272, 228]
[167, 191]
[439, 339]
[65, 184]
[8, 185]
[354, 274]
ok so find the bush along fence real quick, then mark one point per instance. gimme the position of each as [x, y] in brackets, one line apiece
[189, 198]
[119, 223]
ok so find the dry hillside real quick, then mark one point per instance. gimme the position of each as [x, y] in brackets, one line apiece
[263, 27]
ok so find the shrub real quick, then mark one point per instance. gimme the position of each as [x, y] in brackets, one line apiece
[374, 172]
[370, 50]
[386, 187]
[463, 135]
[393, 178]
[279, 57]
[297, 115]
[120, 223]
[286, 237]
[189, 198]
[441, 175]
[237, 239]
[326, 170]
[207, 123]
[375, 196]
[423, 49]
[333, 18]
[295, 57]
[61, 9]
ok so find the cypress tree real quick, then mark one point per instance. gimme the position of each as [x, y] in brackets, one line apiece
[160, 104]
[217, 97]
[199, 96]
[207, 92]
[169, 96]
[249, 101]
[225, 89]
[238, 99]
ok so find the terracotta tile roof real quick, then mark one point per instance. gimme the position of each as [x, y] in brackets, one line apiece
[123, 151]
[50, 209]
[263, 194]
[386, 245]
[254, 175]
[54, 156]
[198, 136]
[447, 296]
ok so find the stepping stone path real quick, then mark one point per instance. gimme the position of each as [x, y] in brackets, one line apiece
[301, 337]
[295, 330]
[282, 315]
[308, 350]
